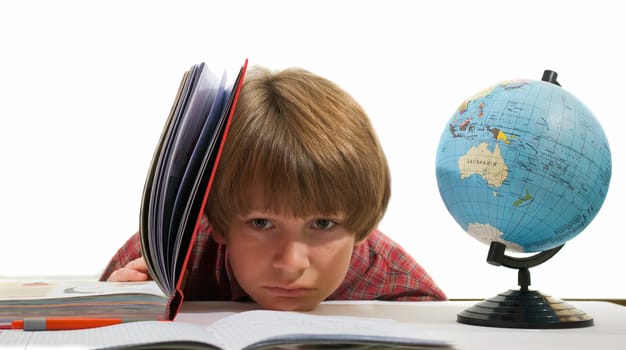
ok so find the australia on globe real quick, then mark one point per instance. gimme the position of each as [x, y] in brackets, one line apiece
[524, 163]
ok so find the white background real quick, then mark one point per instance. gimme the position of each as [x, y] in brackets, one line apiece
[86, 86]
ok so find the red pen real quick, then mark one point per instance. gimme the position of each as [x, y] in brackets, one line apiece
[57, 324]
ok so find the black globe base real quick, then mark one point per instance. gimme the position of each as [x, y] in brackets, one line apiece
[524, 309]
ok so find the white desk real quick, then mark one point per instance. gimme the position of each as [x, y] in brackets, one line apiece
[438, 320]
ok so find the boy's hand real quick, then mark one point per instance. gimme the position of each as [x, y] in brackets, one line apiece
[134, 271]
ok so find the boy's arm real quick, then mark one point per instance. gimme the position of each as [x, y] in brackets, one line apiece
[129, 252]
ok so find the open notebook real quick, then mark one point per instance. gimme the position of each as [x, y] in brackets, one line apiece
[257, 329]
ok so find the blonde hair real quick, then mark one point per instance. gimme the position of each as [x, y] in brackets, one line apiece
[308, 147]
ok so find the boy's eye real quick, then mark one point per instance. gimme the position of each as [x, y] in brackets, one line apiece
[261, 223]
[323, 224]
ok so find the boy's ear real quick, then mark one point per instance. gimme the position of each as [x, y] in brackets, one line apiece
[218, 237]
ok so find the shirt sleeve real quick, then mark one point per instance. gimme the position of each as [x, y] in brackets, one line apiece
[131, 250]
[381, 269]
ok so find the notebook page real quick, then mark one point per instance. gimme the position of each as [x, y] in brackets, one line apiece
[246, 328]
[13, 340]
[122, 335]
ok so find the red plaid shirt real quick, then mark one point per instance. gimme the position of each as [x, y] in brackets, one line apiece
[380, 269]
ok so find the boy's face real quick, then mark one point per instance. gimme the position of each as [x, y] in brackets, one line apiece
[285, 262]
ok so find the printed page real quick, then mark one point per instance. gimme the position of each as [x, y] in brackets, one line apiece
[73, 289]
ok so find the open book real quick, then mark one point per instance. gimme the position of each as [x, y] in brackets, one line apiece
[257, 329]
[175, 192]
[57, 299]
[181, 174]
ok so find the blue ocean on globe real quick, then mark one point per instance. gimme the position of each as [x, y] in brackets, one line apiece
[524, 163]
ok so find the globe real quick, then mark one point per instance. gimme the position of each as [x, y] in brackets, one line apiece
[524, 163]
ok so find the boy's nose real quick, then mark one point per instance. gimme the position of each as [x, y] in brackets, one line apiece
[292, 257]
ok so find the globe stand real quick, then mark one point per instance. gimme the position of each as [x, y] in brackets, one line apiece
[523, 308]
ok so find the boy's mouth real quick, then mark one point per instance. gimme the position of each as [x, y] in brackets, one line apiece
[289, 292]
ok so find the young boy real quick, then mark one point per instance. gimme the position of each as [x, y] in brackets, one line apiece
[292, 214]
